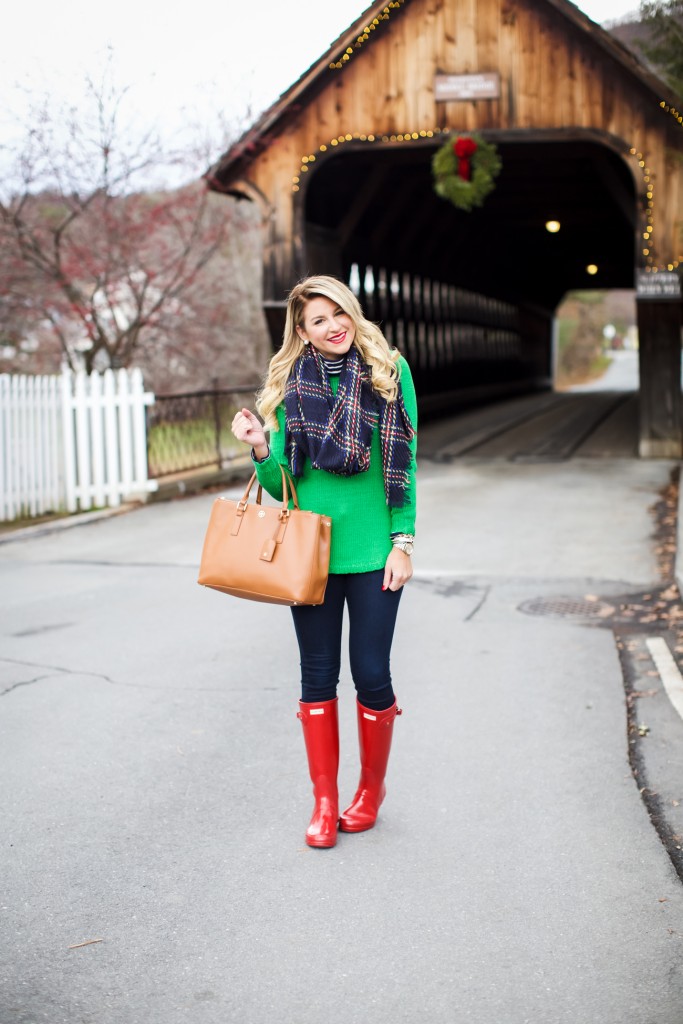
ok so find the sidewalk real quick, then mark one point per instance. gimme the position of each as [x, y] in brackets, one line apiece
[175, 485]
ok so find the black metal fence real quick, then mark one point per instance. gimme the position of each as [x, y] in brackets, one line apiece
[192, 430]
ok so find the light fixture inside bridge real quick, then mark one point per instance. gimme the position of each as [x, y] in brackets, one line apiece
[553, 226]
[591, 269]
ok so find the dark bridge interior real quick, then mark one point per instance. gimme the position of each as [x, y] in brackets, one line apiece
[470, 296]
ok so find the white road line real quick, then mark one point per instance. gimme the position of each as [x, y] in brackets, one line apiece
[668, 670]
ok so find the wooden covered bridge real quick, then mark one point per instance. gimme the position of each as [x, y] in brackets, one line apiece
[341, 168]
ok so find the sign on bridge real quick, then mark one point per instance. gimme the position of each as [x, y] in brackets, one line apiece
[467, 87]
[665, 285]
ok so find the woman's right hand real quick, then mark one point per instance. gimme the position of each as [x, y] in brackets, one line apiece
[248, 428]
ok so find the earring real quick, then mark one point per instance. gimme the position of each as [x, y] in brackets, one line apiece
[306, 341]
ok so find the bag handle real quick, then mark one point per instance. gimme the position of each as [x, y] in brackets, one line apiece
[288, 490]
[283, 515]
[284, 511]
[287, 478]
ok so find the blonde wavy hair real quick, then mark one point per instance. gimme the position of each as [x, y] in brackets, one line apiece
[368, 339]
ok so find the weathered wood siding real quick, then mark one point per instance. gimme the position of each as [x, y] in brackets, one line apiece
[554, 76]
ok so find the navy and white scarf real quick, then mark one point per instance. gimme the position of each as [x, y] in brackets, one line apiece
[335, 431]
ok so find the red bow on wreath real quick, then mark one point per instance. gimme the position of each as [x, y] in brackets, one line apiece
[464, 149]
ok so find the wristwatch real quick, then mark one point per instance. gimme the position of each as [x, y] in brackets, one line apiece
[403, 541]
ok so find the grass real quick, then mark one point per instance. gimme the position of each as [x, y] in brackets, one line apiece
[173, 447]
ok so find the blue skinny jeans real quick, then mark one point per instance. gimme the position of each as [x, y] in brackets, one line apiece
[372, 617]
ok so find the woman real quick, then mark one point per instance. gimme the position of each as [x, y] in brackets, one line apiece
[340, 406]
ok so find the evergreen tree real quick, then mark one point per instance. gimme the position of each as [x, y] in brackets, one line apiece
[664, 46]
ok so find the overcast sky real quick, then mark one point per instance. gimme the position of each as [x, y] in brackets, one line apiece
[184, 62]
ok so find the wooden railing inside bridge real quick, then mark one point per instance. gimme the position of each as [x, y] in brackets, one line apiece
[448, 335]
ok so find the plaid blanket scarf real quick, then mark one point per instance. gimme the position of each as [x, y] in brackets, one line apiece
[335, 431]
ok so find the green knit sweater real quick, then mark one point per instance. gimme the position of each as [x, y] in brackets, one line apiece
[362, 522]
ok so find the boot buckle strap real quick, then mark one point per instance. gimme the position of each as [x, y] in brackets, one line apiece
[312, 711]
[373, 718]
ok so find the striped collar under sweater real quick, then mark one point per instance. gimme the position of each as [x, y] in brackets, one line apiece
[334, 367]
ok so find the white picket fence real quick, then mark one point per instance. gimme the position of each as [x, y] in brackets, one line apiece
[72, 442]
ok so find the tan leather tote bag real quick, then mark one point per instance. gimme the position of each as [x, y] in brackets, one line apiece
[265, 553]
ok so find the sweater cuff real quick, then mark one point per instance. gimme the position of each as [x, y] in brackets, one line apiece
[402, 521]
[259, 462]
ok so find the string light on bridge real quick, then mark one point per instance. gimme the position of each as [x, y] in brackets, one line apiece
[371, 27]
[307, 159]
[676, 114]
[648, 182]
[553, 226]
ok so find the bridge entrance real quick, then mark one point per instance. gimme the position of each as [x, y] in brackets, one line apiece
[589, 139]
[470, 296]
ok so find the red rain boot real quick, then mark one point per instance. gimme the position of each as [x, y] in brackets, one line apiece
[321, 736]
[375, 730]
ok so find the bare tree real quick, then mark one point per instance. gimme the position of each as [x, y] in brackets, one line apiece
[95, 261]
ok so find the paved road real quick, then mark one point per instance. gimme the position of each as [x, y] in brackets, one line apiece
[620, 375]
[155, 794]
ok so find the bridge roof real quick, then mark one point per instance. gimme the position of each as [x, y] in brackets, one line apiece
[274, 120]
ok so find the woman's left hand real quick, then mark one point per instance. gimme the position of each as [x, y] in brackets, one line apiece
[397, 571]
